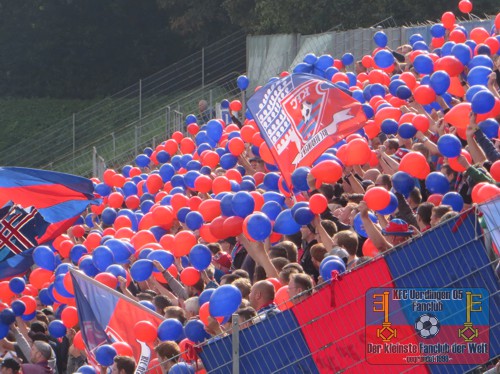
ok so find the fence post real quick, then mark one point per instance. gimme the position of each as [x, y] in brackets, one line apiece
[94, 162]
[74, 140]
[236, 343]
[167, 119]
[114, 144]
[203, 67]
[210, 95]
[140, 101]
[136, 140]
[244, 103]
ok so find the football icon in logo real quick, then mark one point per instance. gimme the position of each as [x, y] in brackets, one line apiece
[427, 326]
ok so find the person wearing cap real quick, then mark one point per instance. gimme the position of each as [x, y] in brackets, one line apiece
[396, 232]
[41, 353]
[9, 366]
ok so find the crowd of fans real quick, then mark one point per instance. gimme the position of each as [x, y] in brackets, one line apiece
[282, 270]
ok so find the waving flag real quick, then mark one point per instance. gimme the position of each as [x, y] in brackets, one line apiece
[59, 198]
[107, 316]
[301, 116]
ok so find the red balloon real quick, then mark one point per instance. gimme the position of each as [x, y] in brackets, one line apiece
[193, 129]
[421, 123]
[187, 146]
[377, 198]
[5, 293]
[206, 234]
[387, 112]
[119, 180]
[465, 6]
[372, 129]
[236, 146]
[318, 203]
[235, 105]
[424, 95]
[154, 183]
[204, 313]
[437, 42]
[455, 165]
[495, 170]
[493, 43]
[65, 248]
[183, 242]
[39, 277]
[458, 36]
[233, 226]
[448, 20]
[163, 215]
[78, 231]
[369, 249]
[68, 283]
[435, 199]
[221, 184]
[69, 317]
[123, 349]
[328, 171]
[78, 341]
[29, 301]
[115, 200]
[217, 228]
[486, 192]
[479, 35]
[409, 79]
[458, 116]
[258, 199]
[247, 132]
[203, 184]
[359, 152]
[107, 279]
[141, 238]
[177, 136]
[449, 64]
[108, 177]
[367, 61]
[234, 175]
[190, 276]
[415, 164]
[132, 202]
[282, 299]
[145, 331]
[179, 201]
[210, 209]
[265, 154]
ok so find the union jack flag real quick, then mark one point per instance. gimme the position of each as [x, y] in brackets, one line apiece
[19, 230]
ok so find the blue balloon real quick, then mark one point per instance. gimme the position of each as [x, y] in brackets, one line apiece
[129, 188]
[170, 329]
[182, 214]
[102, 257]
[18, 308]
[489, 127]
[162, 157]
[214, 130]
[440, 82]
[403, 92]
[117, 270]
[389, 126]
[57, 329]
[368, 111]
[7, 316]
[358, 224]
[393, 86]
[205, 296]
[141, 270]
[347, 59]
[228, 161]
[331, 265]
[86, 369]
[323, 62]
[60, 287]
[190, 177]
[380, 39]
[225, 301]
[285, 224]
[299, 178]
[438, 30]
[44, 297]
[247, 185]
[420, 46]
[271, 181]
[453, 199]
[478, 76]
[481, 60]
[437, 183]
[303, 216]
[200, 257]
[242, 82]
[271, 209]
[423, 64]
[462, 52]
[483, 102]
[105, 355]
[391, 208]
[181, 368]
[108, 216]
[195, 331]
[446, 48]
[384, 58]
[17, 285]
[377, 89]
[194, 220]
[190, 118]
[44, 257]
[358, 95]
[407, 131]
[414, 38]
[88, 267]
[474, 90]
[403, 183]
[121, 250]
[274, 196]
[4, 330]
[142, 160]
[259, 226]
[243, 204]
[226, 205]
[27, 317]
[449, 145]
[310, 59]
[302, 68]
[148, 304]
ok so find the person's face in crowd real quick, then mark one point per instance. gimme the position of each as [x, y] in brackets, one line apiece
[293, 290]
[307, 234]
[376, 143]
[380, 183]
[258, 166]
[352, 215]
[36, 356]
[202, 106]
[4, 370]
[434, 219]
[254, 297]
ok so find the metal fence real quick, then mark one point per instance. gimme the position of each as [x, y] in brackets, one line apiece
[190, 79]
[329, 331]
